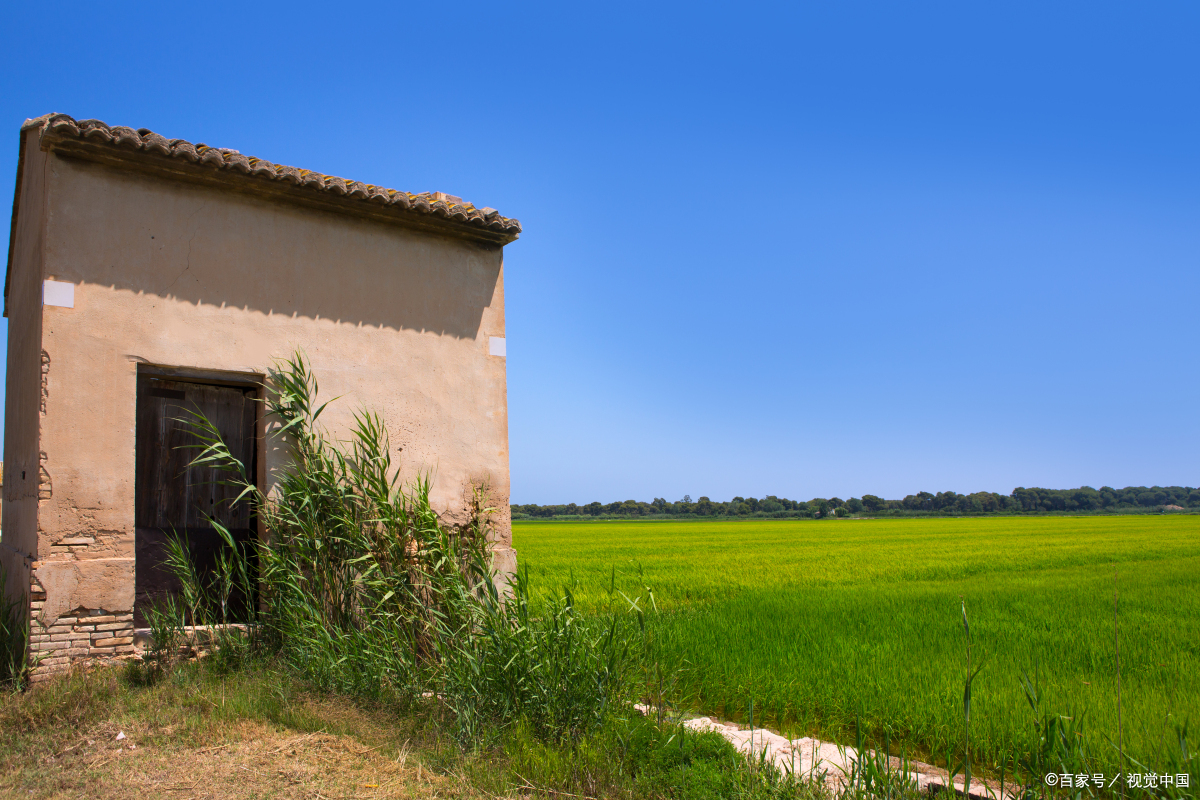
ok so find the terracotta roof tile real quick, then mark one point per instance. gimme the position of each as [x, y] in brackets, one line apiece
[91, 138]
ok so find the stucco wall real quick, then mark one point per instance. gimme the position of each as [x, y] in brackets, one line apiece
[180, 275]
[22, 416]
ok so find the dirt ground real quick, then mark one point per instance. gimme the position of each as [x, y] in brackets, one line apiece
[257, 762]
[193, 742]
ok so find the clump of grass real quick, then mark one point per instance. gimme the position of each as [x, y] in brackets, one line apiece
[198, 721]
[967, 682]
[365, 591]
[165, 618]
[560, 672]
[72, 701]
[14, 638]
[633, 756]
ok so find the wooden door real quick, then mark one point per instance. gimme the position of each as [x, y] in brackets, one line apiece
[175, 499]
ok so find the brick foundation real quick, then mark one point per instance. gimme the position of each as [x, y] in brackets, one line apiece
[83, 634]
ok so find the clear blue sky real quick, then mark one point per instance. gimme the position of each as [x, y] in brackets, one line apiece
[804, 250]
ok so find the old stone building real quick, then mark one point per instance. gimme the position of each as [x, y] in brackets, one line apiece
[145, 273]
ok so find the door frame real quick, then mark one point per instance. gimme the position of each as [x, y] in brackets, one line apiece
[218, 377]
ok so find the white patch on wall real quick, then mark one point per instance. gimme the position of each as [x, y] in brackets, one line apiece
[58, 293]
[496, 346]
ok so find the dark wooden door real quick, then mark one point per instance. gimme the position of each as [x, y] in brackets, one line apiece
[175, 499]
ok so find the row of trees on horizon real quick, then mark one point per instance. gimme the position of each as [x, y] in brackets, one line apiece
[1021, 501]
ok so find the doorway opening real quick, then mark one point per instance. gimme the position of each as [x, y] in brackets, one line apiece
[174, 499]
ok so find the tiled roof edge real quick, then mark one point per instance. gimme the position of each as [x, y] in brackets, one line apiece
[147, 150]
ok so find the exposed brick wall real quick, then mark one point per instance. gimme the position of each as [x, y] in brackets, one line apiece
[82, 634]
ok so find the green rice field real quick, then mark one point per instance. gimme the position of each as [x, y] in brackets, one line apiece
[824, 622]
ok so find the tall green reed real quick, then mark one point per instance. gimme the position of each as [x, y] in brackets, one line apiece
[365, 590]
[14, 638]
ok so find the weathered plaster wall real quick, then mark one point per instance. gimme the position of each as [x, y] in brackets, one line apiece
[22, 403]
[180, 275]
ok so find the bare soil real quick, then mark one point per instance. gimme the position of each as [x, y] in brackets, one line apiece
[184, 745]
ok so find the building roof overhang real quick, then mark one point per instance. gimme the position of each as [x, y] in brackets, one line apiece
[147, 152]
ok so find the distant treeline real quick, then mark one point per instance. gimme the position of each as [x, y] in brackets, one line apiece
[1021, 501]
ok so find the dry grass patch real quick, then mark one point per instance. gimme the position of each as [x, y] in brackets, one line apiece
[256, 761]
[202, 736]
